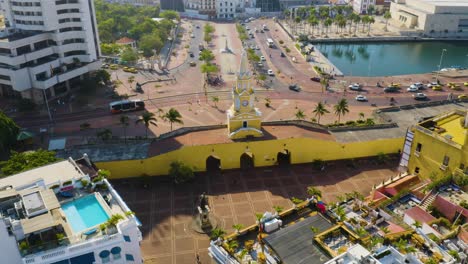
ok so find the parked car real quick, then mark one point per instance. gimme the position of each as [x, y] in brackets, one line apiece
[191, 54]
[193, 64]
[437, 88]
[132, 70]
[114, 67]
[262, 58]
[419, 96]
[463, 97]
[270, 72]
[197, 26]
[282, 55]
[260, 64]
[361, 98]
[315, 79]
[417, 85]
[295, 87]
[412, 89]
[192, 36]
[432, 84]
[105, 66]
[355, 87]
[391, 89]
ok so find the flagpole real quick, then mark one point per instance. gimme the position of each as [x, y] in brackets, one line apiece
[47, 105]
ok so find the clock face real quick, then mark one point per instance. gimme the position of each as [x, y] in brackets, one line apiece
[245, 103]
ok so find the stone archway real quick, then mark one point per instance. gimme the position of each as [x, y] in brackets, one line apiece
[284, 158]
[213, 164]
[247, 161]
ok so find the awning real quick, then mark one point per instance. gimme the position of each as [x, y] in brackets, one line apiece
[116, 250]
[104, 254]
[23, 135]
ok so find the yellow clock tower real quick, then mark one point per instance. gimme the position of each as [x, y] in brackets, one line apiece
[244, 119]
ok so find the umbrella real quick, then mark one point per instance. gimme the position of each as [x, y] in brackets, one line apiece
[23, 135]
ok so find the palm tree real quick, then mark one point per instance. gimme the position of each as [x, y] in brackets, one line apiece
[215, 100]
[232, 246]
[324, 82]
[313, 21]
[147, 119]
[361, 115]
[173, 116]
[131, 79]
[341, 108]
[370, 21]
[361, 232]
[340, 211]
[314, 229]
[328, 22]
[237, 227]
[356, 20]
[364, 21]
[278, 208]
[385, 230]
[300, 114]
[216, 233]
[417, 224]
[387, 16]
[311, 190]
[123, 120]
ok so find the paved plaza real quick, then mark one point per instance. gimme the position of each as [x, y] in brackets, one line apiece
[235, 196]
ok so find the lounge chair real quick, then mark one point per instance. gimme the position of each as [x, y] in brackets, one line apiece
[66, 194]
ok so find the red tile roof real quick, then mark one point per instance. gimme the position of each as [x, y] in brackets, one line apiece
[448, 208]
[125, 40]
[418, 214]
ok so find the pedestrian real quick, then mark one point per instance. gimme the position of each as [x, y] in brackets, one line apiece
[198, 259]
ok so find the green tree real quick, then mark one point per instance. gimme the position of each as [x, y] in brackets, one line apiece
[102, 76]
[237, 227]
[151, 43]
[208, 68]
[370, 9]
[387, 16]
[278, 208]
[123, 120]
[327, 23]
[105, 134]
[206, 55]
[147, 119]
[361, 116]
[170, 14]
[22, 161]
[417, 224]
[300, 115]
[8, 131]
[129, 55]
[110, 48]
[341, 108]
[173, 116]
[180, 172]
[320, 111]
[314, 230]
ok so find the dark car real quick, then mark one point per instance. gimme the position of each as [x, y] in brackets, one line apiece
[191, 54]
[282, 54]
[315, 79]
[295, 87]
[390, 89]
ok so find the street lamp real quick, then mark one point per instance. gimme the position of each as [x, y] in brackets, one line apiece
[440, 64]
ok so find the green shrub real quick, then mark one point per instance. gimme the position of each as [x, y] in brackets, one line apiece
[281, 42]
[55, 186]
[296, 201]
[84, 182]
[180, 173]
[287, 50]
[67, 183]
[350, 123]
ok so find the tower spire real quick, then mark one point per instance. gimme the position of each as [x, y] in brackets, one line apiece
[244, 66]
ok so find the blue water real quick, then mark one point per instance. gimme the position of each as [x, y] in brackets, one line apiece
[394, 58]
[84, 213]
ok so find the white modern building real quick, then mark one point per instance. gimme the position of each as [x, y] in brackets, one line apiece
[46, 46]
[361, 6]
[437, 18]
[60, 213]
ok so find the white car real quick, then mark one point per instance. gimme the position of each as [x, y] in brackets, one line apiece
[257, 47]
[262, 58]
[247, 28]
[270, 72]
[412, 89]
[418, 85]
[192, 36]
[361, 98]
[432, 84]
[260, 64]
[419, 96]
[355, 87]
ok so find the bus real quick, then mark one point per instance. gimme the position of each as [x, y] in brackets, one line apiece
[126, 105]
[270, 43]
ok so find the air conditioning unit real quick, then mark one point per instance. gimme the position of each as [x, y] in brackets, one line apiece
[417, 153]
[443, 167]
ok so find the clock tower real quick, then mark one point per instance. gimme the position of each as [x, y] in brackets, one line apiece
[244, 119]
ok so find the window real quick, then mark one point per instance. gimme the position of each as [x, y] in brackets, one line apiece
[129, 257]
[244, 124]
[127, 238]
[446, 161]
[418, 147]
[416, 170]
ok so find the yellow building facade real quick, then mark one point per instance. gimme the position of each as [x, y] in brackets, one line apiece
[243, 118]
[262, 152]
[440, 146]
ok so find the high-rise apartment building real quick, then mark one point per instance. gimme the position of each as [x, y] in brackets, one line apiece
[46, 46]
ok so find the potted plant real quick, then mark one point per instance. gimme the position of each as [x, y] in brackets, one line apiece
[24, 247]
[237, 227]
[60, 238]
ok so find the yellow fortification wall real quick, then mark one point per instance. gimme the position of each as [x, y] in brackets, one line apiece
[303, 150]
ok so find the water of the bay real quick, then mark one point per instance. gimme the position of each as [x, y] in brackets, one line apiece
[394, 58]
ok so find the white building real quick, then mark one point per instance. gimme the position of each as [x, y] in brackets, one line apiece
[46, 46]
[42, 217]
[361, 6]
[432, 17]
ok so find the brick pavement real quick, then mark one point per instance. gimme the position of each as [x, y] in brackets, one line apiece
[235, 196]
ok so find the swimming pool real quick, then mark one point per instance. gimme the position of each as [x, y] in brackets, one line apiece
[84, 213]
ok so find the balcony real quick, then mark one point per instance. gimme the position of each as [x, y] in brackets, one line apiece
[417, 153]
